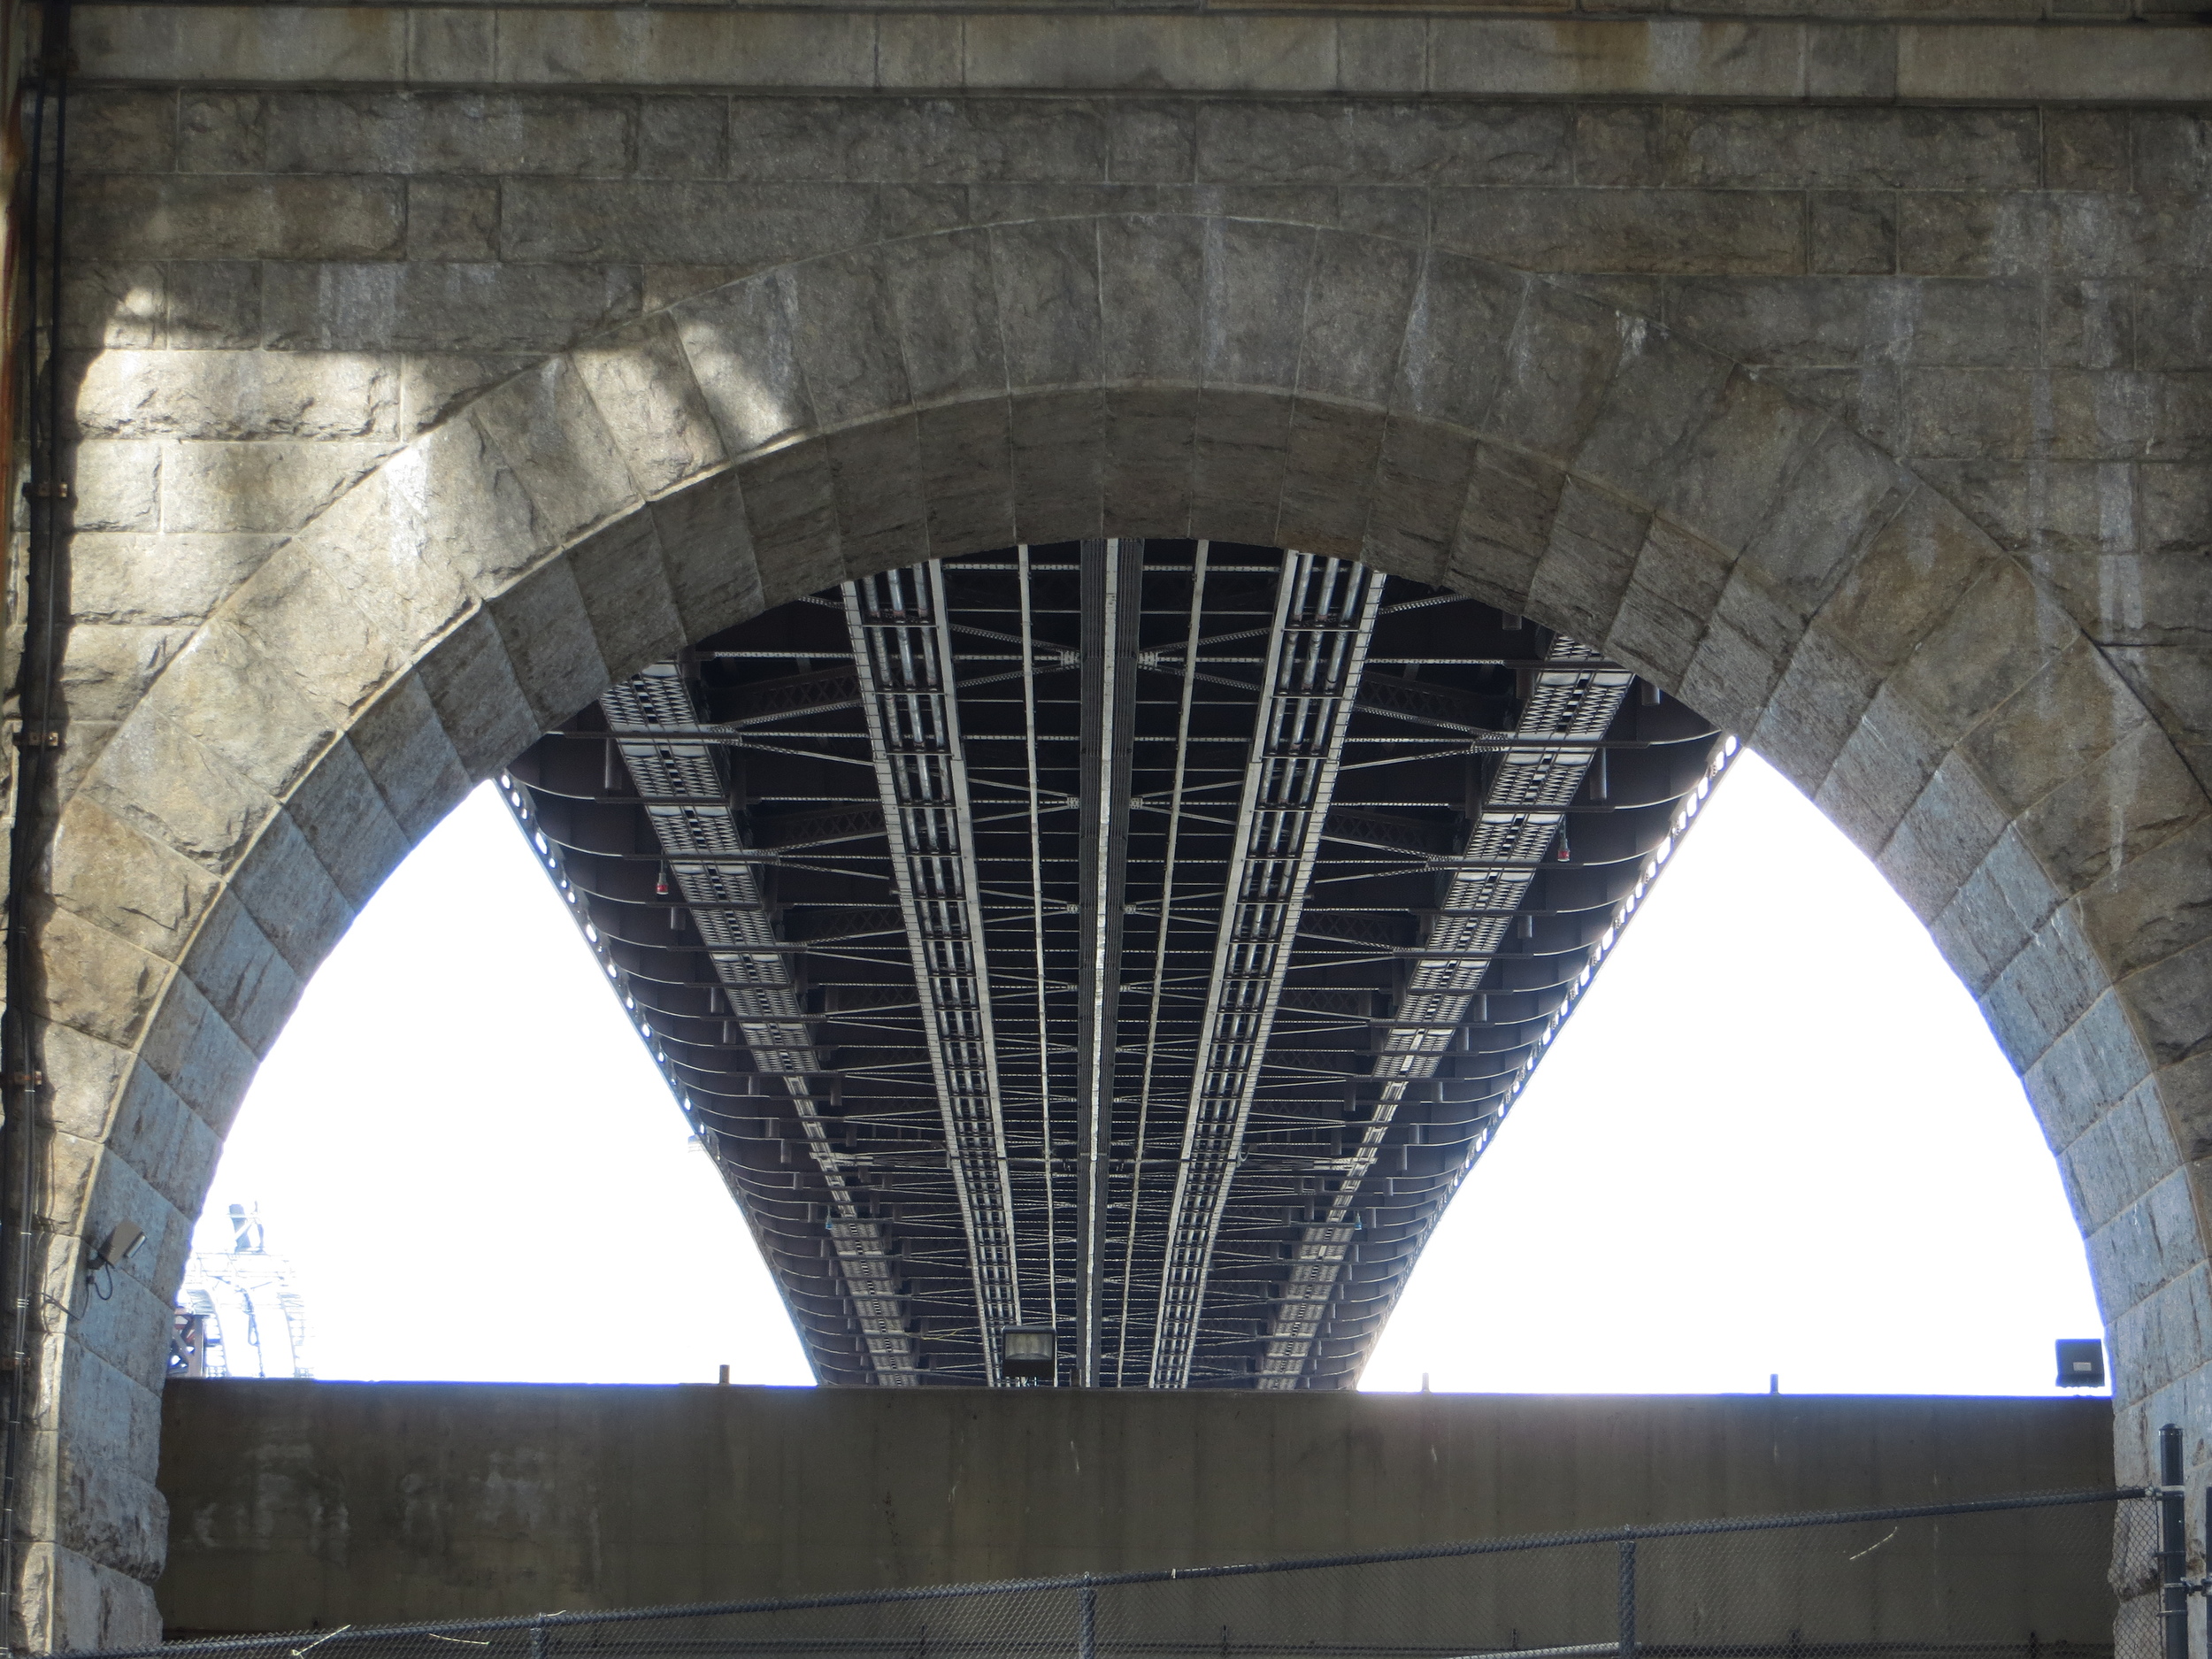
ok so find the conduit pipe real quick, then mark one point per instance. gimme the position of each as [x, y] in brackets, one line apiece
[21, 1080]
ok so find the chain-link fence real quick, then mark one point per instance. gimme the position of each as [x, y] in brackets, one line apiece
[2025, 1576]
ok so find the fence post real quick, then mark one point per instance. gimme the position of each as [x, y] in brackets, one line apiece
[1086, 1622]
[1628, 1599]
[2173, 1545]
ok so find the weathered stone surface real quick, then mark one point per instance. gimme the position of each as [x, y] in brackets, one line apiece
[156, 778]
[492, 306]
[1672, 594]
[965, 459]
[642, 386]
[247, 983]
[2157, 904]
[241, 704]
[292, 898]
[429, 369]
[703, 536]
[452, 219]
[141, 216]
[1942, 838]
[117, 877]
[1505, 526]
[117, 485]
[237, 395]
[2133, 799]
[220, 488]
[123, 130]
[2122, 1157]
[2144, 1246]
[95, 980]
[1669, 233]
[1914, 571]
[1586, 564]
[550, 647]
[623, 584]
[1835, 148]
[486, 717]
[2044, 990]
[2081, 1078]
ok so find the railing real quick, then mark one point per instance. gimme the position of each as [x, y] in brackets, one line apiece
[2023, 1575]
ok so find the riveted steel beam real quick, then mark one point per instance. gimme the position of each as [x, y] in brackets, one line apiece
[1112, 586]
[689, 809]
[1325, 611]
[904, 657]
[1165, 916]
[1571, 701]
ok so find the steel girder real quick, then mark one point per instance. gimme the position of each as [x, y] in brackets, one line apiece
[689, 810]
[903, 658]
[1112, 579]
[1316, 650]
[1573, 699]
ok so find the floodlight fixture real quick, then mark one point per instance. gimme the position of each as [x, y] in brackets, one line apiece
[1029, 1351]
[2080, 1363]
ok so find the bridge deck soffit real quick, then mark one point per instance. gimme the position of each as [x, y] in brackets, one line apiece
[1163, 1000]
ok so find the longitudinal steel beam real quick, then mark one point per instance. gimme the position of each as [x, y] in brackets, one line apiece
[1166, 916]
[1571, 701]
[902, 654]
[1112, 585]
[1039, 983]
[1325, 611]
[689, 809]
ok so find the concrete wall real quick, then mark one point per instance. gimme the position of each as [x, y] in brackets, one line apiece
[294, 1504]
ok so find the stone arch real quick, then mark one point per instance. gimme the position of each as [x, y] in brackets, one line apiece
[1441, 417]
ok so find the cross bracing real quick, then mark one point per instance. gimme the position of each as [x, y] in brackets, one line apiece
[1142, 939]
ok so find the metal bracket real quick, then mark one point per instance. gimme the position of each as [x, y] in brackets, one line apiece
[39, 737]
[50, 491]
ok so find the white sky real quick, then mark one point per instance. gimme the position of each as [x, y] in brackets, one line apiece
[1776, 1137]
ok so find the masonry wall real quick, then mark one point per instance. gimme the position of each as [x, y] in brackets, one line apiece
[431, 367]
[300, 1503]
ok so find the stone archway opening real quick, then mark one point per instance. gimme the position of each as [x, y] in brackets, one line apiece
[1536, 450]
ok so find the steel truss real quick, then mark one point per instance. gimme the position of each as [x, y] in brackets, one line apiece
[688, 807]
[903, 658]
[1324, 617]
[1574, 698]
[1142, 938]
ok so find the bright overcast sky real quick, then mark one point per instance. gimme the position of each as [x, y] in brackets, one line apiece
[1776, 1137]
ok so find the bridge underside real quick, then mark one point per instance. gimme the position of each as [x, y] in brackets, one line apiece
[1137, 941]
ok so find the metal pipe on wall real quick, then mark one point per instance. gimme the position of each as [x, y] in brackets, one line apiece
[39, 739]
